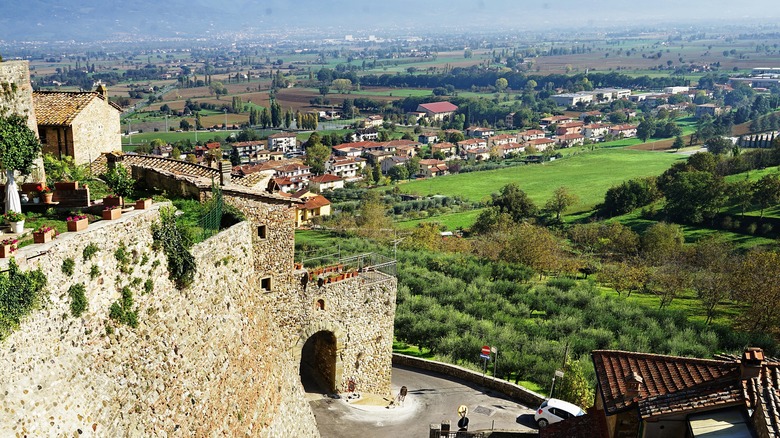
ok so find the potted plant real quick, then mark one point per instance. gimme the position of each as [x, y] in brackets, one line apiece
[45, 193]
[16, 221]
[8, 247]
[120, 182]
[77, 223]
[112, 212]
[143, 204]
[34, 196]
[44, 234]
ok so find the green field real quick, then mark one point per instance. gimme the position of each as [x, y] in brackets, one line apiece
[452, 221]
[588, 175]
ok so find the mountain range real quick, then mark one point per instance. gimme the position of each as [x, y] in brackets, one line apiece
[51, 20]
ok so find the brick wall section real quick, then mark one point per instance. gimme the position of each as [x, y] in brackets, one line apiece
[205, 361]
[516, 392]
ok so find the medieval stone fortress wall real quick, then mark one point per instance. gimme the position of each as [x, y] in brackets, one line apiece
[220, 357]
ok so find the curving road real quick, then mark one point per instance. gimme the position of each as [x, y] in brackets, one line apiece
[432, 398]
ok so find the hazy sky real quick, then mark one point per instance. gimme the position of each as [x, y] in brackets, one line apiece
[97, 19]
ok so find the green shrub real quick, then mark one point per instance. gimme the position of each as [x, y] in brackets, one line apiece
[119, 180]
[122, 311]
[94, 272]
[175, 243]
[78, 299]
[67, 266]
[148, 286]
[89, 251]
[20, 293]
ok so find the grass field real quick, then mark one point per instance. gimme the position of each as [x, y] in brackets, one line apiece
[588, 175]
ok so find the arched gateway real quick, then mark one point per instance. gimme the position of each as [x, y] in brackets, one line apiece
[318, 351]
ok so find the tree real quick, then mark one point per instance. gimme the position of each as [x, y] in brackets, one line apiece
[501, 84]
[265, 118]
[176, 153]
[560, 201]
[766, 192]
[740, 193]
[19, 147]
[372, 219]
[324, 89]
[276, 114]
[398, 173]
[662, 242]
[119, 181]
[694, 196]
[756, 285]
[513, 201]
[574, 387]
[342, 85]
[718, 145]
[678, 143]
[668, 281]
[646, 129]
[316, 157]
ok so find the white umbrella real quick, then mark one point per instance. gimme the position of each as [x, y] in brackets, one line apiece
[12, 201]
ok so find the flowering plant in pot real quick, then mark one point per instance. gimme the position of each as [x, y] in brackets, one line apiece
[44, 234]
[112, 212]
[45, 193]
[16, 221]
[8, 247]
[77, 222]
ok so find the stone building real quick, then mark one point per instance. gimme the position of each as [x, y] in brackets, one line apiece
[81, 125]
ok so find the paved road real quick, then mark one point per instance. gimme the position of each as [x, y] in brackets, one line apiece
[432, 398]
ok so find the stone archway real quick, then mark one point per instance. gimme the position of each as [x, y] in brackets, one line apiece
[318, 363]
[318, 352]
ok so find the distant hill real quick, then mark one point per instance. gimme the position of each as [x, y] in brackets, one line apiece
[50, 20]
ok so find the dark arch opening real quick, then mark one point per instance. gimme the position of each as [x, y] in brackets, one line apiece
[318, 363]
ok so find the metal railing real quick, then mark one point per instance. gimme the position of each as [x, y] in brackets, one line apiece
[212, 219]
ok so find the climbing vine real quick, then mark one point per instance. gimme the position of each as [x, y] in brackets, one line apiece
[175, 242]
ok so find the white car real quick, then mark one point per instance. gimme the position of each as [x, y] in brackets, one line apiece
[554, 410]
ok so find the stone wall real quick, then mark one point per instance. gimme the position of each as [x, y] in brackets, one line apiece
[517, 392]
[16, 98]
[208, 360]
[96, 130]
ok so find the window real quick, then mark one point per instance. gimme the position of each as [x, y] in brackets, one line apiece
[265, 284]
[320, 304]
[262, 231]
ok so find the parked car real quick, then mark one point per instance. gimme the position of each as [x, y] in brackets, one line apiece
[554, 410]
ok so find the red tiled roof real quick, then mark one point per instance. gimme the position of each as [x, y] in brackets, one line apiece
[570, 136]
[661, 375]
[316, 202]
[439, 107]
[710, 395]
[538, 141]
[326, 178]
[431, 162]
[60, 108]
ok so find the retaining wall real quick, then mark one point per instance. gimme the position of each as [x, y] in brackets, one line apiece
[516, 392]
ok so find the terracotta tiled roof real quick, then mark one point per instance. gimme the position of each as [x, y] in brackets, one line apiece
[60, 108]
[316, 202]
[710, 395]
[661, 375]
[770, 410]
[439, 107]
[326, 178]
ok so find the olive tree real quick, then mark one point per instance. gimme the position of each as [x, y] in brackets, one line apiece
[19, 147]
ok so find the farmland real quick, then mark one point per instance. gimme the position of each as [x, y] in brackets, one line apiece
[588, 175]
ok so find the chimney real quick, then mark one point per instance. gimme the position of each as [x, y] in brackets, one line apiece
[751, 363]
[225, 168]
[633, 385]
[103, 91]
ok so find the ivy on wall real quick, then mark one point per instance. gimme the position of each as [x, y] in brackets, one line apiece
[20, 293]
[175, 242]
